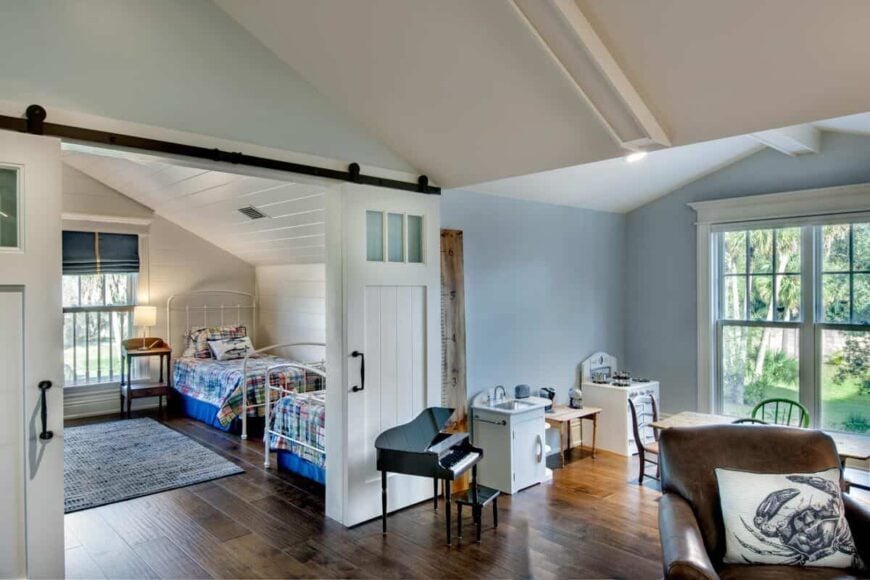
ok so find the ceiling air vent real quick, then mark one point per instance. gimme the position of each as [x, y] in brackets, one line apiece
[252, 212]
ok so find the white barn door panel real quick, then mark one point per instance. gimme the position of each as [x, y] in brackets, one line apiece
[391, 313]
[31, 478]
[12, 536]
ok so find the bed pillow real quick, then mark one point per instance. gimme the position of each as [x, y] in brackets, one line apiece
[230, 348]
[794, 519]
[198, 339]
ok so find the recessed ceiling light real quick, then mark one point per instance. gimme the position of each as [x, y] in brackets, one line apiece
[635, 157]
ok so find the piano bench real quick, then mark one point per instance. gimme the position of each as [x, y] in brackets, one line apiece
[485, 495]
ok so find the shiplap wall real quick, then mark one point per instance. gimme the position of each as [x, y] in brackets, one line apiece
[84, 195]
[174, 261]
[292, 306]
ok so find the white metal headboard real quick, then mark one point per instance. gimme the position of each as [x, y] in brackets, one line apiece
[211, 308]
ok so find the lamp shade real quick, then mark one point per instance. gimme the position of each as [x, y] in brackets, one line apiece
[145, 316]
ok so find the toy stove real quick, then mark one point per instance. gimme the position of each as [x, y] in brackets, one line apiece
[610, 389]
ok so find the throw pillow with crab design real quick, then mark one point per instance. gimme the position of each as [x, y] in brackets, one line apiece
[795, 519]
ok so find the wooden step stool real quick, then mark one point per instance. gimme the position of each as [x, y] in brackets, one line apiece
[485, 495]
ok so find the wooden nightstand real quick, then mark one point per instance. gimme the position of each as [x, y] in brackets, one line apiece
[132, 348]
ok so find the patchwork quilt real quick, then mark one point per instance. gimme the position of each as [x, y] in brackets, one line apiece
[219, 383]
[301, 417]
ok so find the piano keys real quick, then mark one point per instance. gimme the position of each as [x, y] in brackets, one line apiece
[421, 448]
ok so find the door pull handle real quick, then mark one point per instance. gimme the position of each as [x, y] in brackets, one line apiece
[46, 434]
[362, 371]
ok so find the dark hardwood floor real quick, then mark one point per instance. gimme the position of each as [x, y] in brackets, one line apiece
[592, 521]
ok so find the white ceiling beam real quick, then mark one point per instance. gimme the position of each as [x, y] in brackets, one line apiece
[792, 141]
[567, 74]
[595, 74]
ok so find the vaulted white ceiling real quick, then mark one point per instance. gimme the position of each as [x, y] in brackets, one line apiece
[206, 202]
[617, 185]
[711, 69]
[474, 91]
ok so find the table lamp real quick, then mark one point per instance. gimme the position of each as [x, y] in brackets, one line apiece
[145, 317]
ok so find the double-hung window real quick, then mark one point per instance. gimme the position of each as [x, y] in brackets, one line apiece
[99, 292]
[843, 328]
[759, 316]
[97, 316]
[792, 318]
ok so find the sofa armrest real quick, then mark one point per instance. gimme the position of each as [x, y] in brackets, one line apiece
[858, 516]
[683, 551]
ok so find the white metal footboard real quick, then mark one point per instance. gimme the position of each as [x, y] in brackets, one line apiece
[267, 431]
[244, 386]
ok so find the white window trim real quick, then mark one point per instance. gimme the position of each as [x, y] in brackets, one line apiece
[100, 223]
[846, 201]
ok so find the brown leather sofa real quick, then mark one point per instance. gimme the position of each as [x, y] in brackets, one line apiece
[690, 519]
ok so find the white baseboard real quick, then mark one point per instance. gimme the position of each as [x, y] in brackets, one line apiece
[79, 402]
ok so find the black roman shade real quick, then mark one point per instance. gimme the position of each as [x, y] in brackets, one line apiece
[96, 253]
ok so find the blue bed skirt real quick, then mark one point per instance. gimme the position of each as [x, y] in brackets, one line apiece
[207, 413]
[290, 462]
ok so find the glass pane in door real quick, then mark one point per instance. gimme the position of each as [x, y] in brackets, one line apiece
[396, 237]
[415, 239]
[757, 363]
[374, 236]
[845, 388]
[8, 208]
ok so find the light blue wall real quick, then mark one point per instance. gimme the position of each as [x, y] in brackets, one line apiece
[660, 306]
[180, 64]
[543, 285]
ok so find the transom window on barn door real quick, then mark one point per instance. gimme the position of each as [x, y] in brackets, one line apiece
[9, 201]
[784, 291]
[394, 237]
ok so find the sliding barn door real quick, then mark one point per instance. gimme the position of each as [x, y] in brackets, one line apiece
[391, 279]
[31, 476]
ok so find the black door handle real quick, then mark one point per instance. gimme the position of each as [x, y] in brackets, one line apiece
[46, 434]
[362, 371]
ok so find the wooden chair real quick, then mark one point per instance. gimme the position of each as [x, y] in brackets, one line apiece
[638, 425]
[783, 412]
[749, 421]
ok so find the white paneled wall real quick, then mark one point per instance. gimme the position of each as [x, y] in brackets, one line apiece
[179, 261]
[84, 195]
[292, 306]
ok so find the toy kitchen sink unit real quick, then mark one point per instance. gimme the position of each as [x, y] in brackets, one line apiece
[511, 433]
[604, 386]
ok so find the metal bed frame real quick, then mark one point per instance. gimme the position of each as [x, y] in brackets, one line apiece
[267, 440]
[245, 303]
[268, 387]
[206, 308]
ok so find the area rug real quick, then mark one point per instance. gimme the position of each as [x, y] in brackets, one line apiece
[110, 462]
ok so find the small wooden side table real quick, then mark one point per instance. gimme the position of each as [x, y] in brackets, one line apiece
[132, 348]
[562, 418]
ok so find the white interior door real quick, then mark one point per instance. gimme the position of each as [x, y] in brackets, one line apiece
[31, 477]
[391, 278]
